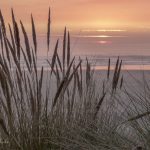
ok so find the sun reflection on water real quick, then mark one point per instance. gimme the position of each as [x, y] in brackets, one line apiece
[104, 42]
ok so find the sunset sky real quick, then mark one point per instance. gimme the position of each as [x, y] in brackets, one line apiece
[82, 14]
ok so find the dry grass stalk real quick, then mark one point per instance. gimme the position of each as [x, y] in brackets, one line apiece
[121, 83]
[54, 56]
[12, 37]
[26, 41]
[16, 35]
[108, 72]
[64, 50]
[116, 74]
[34, 34]
[48, 29]
[68, 50]
[59, 63]
[2, 23]
[62, 84]
[99, 105]
[1, 40]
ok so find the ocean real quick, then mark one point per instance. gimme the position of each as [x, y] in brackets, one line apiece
[133, 47]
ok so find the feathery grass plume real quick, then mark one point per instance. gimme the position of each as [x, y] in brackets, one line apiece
[12, 38]
[6, 48]
[48, 29]
[99, 105]
[2, 23]
[68, 50]
[13, 22]
[64, 50]
[54, 56]
[26, 40]
[108, 71]
[2, 29]
[1, 38]
[34, 34]
[16, 34]
[17, 37]
[13, 17]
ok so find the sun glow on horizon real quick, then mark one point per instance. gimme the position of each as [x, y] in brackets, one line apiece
[104, 42]
[104, 30]
[99, 36]
[102, 15]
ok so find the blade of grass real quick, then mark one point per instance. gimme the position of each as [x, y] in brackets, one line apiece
[34, 34]
[108, 72]
[1, 38]
[68, 50]
[54, 56]
[64, 51]
[2, 23]
[26, 43]
[48, 29]
[12, 38]
[99, 105]
[16, 34]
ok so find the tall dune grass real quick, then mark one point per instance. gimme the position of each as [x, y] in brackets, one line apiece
[58, 108]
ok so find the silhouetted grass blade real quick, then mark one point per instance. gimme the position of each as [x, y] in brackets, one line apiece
[68, 50]
[48, 29]
[34, 34]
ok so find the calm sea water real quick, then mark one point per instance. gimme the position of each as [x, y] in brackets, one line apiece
[132, 47]
[98, 46]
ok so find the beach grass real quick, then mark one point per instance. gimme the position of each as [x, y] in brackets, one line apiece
[60, 107]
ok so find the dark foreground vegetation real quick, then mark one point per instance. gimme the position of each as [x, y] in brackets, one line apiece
[61, 107]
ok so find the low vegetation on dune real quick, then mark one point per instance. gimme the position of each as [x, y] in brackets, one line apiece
[63, 106]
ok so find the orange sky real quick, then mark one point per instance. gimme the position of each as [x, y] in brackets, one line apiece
[82, 14]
